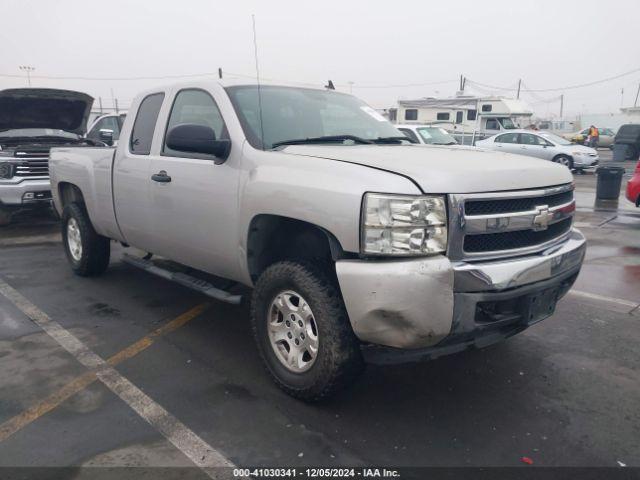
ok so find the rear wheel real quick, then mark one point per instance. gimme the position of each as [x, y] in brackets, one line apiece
[87, 252]
[564, 160]
[632, 152]
[303, 333]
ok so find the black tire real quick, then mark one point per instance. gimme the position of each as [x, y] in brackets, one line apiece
[631, 153]
[338, 361]
[96, 249]
[5, 217]
[565, 160]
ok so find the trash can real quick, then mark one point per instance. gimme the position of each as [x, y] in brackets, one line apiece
[620, 152]
[609, 181]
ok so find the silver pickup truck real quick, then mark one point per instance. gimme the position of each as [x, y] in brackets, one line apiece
[357, 244]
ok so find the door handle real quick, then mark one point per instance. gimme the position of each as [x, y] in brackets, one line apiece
[161, 177]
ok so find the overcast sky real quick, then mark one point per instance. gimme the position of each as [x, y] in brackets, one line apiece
[548, 44]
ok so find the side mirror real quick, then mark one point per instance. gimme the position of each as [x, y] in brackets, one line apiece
[193, 138]
[106, 136]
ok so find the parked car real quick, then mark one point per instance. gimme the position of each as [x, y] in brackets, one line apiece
[633, 187]
[355, 241]
[32, 120]
[427, 134]
[106, 128]
[629, 135]
[605, 138]
[545, 145]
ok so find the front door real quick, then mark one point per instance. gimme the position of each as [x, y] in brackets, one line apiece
[534, 146]
[195, 205]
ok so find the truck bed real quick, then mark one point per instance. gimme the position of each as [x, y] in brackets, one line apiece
[89, 169]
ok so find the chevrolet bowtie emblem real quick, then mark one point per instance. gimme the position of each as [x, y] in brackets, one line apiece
[541, 219]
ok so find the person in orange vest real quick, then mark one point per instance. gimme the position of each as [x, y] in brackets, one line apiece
[594, 136]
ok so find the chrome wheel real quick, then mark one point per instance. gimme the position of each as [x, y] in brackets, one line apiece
[564, 161]
[293, 332]
[74, 240]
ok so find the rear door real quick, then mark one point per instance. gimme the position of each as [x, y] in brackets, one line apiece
[194, 215]
[131, 183]
[507, 142]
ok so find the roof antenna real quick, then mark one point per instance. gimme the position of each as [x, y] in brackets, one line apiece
[255, 51]
[329, 86]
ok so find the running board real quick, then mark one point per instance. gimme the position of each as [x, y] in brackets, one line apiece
[183, 279]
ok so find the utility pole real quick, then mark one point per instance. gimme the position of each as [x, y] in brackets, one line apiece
[635, 103]
[28, 69]
[519, 83]
[116, 102]
[350, 86]
[220, 73]
[621, 97]
[561, 105]
[100, 103]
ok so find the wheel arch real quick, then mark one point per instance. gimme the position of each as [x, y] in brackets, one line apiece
[69, 193]
[273, 238]
[565, 155]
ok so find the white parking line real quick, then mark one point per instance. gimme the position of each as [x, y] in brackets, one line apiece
[197, 450]
[603, 298]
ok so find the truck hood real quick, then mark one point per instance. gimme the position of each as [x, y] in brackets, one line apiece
[44, 108]
[443, 169]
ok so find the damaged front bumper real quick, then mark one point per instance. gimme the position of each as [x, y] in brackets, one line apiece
[413, 309]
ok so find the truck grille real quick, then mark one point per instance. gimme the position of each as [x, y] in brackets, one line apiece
[502, 224]
[492, 242]
[35, 163]
[487, 207]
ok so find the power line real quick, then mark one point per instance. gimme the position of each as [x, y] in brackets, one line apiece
[557, 89]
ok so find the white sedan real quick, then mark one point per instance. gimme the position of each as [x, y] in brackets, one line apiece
[545, 145]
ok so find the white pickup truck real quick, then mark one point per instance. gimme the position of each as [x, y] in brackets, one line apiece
[357, 244]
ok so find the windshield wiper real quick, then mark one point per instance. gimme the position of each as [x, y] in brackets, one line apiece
[391, 140]
[324, 139]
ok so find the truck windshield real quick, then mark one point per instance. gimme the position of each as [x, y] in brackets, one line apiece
[436, 136]
[507, 123]
[294, 114]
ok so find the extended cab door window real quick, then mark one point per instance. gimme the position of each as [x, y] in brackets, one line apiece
[145, 124]
[195, 107]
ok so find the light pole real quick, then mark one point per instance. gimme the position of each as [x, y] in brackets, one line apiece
[350, 86]
[28, 69]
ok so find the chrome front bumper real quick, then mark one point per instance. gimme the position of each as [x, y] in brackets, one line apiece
[431, 302]
[12, 191]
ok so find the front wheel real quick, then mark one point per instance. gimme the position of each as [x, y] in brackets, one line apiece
[303, 333]
[564, 160]
[631, 153]
[87, 252]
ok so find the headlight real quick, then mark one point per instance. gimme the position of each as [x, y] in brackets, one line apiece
[6, 170]
[403, 225]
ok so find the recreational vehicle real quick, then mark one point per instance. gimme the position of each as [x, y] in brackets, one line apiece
[467, 118]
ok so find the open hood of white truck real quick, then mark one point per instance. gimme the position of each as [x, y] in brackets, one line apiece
[44, 108]
[447, 169]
